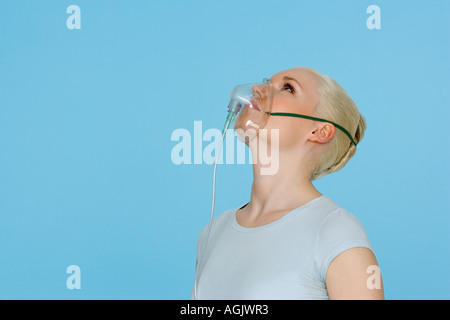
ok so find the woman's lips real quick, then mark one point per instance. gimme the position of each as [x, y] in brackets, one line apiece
[255, 105]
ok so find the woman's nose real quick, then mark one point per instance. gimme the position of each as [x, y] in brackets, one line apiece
[260, 90]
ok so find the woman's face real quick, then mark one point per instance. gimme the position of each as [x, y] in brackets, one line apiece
[294, 91]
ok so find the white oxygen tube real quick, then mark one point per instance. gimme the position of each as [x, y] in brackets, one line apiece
[229, 120]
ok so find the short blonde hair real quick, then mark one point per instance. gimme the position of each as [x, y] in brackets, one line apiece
[336, 105]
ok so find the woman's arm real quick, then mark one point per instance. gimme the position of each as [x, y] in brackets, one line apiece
[354, 275]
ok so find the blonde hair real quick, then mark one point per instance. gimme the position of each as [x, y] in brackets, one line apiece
[336, 105]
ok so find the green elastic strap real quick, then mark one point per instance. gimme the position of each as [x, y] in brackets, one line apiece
[312, 118]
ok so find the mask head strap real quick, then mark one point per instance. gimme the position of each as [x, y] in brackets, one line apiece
[286, 114]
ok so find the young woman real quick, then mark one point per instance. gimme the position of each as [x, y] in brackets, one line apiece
[290, 241]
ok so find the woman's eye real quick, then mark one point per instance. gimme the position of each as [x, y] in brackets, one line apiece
[288, 86]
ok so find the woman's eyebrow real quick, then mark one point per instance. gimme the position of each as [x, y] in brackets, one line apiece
[289, 78]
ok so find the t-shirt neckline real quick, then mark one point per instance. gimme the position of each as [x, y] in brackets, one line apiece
[278, 221]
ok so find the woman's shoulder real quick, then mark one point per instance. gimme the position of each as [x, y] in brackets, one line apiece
[335, 218]
[225, 216]
[221, 219]
[329, 211]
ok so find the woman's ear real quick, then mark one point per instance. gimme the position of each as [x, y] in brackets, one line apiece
[323, 133]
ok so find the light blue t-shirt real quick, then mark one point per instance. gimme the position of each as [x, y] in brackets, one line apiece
[285, 259]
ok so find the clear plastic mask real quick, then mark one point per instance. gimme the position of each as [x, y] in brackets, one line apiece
[252, 104]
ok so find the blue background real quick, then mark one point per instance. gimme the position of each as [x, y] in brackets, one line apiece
[86, 118]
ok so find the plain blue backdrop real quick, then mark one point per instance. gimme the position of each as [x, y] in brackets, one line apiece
[86, 117]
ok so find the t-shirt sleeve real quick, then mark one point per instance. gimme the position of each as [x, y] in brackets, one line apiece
[339, 231]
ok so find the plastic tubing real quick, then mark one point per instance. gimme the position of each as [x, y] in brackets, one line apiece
[229, 120]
